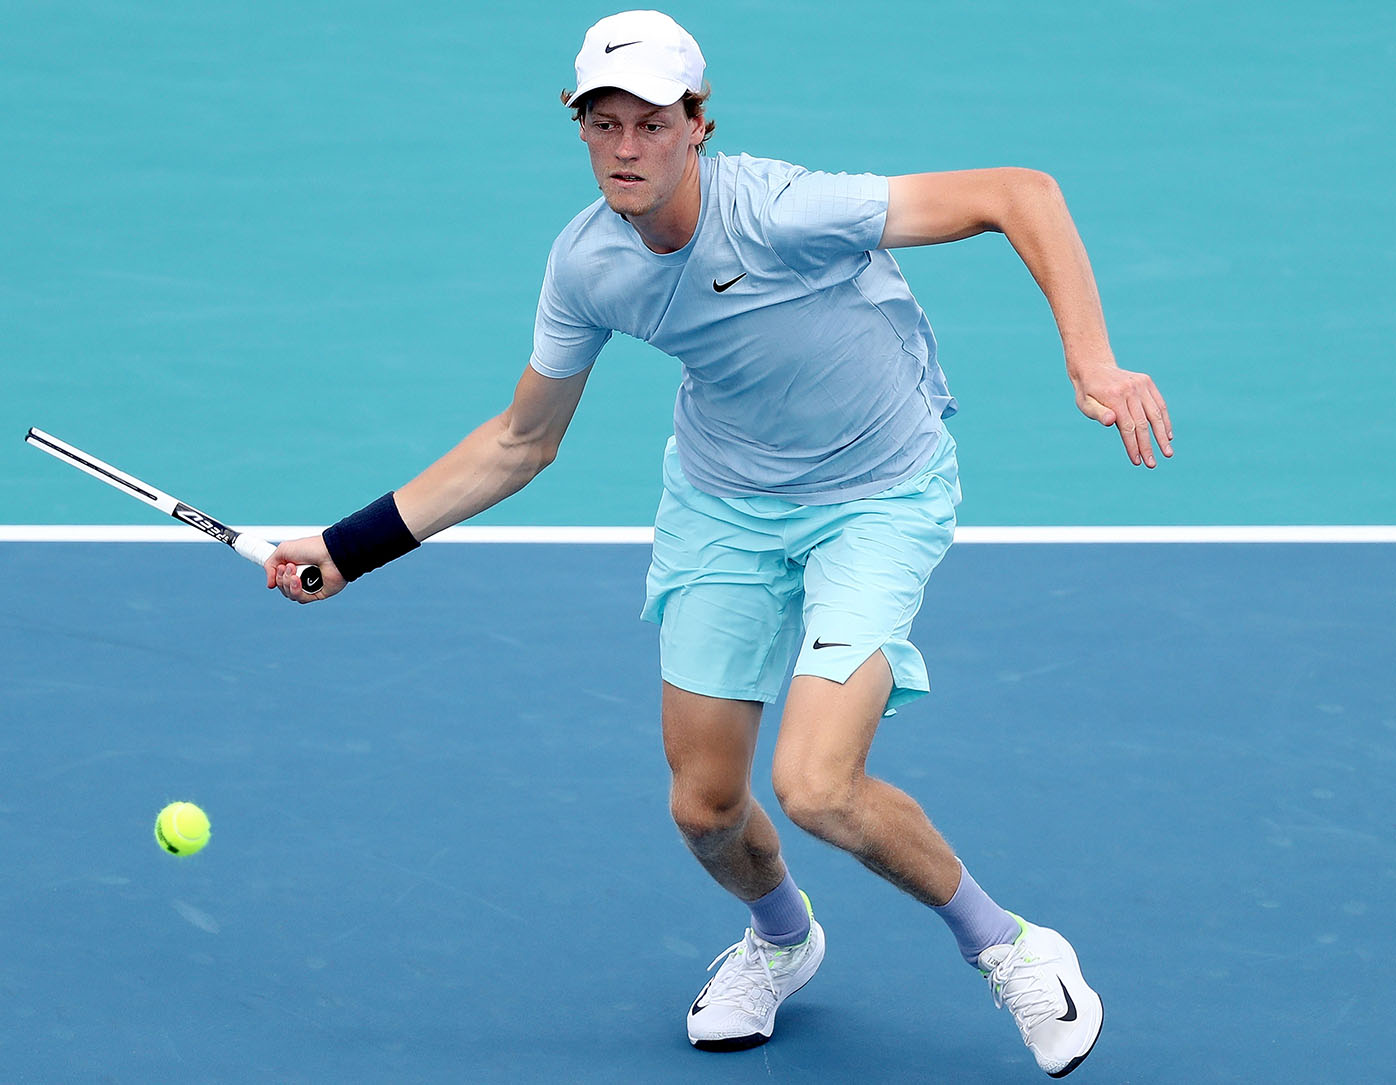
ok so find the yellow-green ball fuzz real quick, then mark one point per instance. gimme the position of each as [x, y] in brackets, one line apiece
[182, 829]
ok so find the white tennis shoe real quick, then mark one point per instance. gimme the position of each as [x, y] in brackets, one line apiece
[1039, 979]
[737, 1008]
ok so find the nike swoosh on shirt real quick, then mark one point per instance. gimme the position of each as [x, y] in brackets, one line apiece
[829, 644]
[720, 287]
[612, 48]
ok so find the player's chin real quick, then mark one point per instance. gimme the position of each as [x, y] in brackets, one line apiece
[628, 202]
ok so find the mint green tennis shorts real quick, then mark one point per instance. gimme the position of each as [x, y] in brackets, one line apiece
[740, 585]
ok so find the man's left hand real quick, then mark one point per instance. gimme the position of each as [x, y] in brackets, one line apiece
[1132, 403]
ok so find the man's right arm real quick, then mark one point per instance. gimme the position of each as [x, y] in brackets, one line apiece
[496, 460]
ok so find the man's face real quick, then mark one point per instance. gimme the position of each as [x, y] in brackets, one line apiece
[638, 150]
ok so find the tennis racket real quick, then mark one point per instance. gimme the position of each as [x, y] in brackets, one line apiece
[249, 546]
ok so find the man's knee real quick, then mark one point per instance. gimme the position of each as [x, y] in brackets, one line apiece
[819, 766]
[819, 798]
[707, 809]
[709, 744]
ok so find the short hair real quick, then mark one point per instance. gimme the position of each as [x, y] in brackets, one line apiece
[692, 106]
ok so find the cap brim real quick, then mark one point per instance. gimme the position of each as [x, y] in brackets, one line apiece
[651, 88]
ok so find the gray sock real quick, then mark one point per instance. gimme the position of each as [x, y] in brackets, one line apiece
[781, 916]
[975, 920]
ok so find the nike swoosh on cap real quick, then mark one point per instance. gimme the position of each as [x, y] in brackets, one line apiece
[612, 48]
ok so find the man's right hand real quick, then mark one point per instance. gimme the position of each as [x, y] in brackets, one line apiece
[281, 569]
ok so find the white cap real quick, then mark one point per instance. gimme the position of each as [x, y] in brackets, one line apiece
[643, 52]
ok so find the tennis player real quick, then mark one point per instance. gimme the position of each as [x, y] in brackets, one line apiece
[809, 491]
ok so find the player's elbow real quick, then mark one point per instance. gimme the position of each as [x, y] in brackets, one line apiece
[1028, 194]
[1020, 182]
[544, 453]
[530, 450]
[1038, 182]
[533, 456]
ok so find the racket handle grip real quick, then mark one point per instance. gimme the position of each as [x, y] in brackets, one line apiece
[258, 550]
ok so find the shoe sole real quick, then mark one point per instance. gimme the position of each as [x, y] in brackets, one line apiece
[1079, 1059]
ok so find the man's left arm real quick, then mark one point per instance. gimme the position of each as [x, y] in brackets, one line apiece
[1027, 207]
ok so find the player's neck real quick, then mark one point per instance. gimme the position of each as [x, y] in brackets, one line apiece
[670, 226]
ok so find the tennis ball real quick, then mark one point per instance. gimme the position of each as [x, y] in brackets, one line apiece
[182, 828]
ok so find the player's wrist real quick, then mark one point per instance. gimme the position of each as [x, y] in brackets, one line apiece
[1086, 358]
[368, 539]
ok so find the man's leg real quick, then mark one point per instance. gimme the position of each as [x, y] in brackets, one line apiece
[710, 743]
[821, 782]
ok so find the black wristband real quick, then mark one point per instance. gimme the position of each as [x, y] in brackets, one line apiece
[369, 538]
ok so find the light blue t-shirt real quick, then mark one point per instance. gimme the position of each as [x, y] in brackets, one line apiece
[809, 370]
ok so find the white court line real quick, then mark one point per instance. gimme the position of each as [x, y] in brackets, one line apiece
[1316, 533]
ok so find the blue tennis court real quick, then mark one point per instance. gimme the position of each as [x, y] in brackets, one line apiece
[276, 259]
[442, 850]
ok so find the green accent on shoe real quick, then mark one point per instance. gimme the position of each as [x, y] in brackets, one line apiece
[1022, 930]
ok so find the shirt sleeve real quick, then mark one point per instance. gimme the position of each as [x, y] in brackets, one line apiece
[564, 341]
[822, 225]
